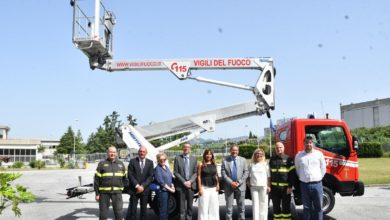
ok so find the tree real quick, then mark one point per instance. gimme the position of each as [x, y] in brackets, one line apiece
[68, 140]
[132, 121]
[41, 149]
[12, 196]
[106, 134]
[378, 134]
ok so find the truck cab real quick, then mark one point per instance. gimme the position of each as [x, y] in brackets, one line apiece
[334, 140]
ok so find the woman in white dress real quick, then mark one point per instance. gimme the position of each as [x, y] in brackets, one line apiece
[259, 182]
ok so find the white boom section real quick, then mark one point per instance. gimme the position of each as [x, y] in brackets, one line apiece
[203, 121]
[194, 124]
[93, 35]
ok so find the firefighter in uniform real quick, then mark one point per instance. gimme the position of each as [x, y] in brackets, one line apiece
[110, 180]
[282, 179]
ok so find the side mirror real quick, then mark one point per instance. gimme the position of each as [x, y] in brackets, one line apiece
[355, 143]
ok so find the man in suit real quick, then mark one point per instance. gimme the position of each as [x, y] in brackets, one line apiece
[185, 181]
[140, 174]
[234, 172]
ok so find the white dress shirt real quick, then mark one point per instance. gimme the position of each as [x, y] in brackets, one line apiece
[310, 167]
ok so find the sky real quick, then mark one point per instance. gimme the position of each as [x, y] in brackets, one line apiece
[326, 53]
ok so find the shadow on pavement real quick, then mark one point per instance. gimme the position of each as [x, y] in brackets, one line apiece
[87, 212]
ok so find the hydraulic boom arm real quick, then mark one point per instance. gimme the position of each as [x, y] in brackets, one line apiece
[93, 35]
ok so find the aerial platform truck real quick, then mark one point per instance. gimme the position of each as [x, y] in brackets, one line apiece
[93, 35]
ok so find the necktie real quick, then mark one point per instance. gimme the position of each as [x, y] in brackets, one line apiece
[234, 170]
[142, 166]
[186, 168]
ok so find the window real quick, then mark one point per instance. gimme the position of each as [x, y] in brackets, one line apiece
[6, 151]
[17, 152]
[1, 151]
[329, 138]
[33, 152]
[283, 135]
[28, 151]
[12, 151]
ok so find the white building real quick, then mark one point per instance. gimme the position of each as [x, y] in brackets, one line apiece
[24, 150]
[369, 114]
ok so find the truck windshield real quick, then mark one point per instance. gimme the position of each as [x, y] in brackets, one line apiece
[329, 138]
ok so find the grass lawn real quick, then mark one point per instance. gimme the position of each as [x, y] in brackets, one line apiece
[374, 170]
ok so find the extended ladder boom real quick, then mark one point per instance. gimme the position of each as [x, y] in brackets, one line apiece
[93, 35]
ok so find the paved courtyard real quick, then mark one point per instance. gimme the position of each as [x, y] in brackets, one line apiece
[49, 187]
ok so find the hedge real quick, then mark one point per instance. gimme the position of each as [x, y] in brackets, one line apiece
[246, 150]
[370, 149]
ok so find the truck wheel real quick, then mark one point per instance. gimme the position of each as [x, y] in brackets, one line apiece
[173, 205]
[329, 200]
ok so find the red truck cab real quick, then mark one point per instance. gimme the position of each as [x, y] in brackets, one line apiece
[334, 140]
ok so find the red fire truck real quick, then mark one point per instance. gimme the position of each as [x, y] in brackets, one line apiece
[334, 140]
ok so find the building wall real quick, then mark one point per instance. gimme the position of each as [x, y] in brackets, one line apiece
[369, 114]
[19, 153]
[20, 150]
[24, 150]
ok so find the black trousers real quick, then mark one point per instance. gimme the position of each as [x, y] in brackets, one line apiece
[281, 202]
[186, 197]
[132, 210]
[104, 204]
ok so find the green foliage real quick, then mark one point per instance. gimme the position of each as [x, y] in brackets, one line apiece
[32, 164]
[69, 140]
[378, 134]
[17, 164]
[246, 150]
[105, 134]
[62, 162]
[72, 165]
[37, 164]
[132, 121]
[41, 149]
[370, 149]
[40, 164]
[12, 196]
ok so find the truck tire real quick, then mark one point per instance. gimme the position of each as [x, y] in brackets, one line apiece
[329, 200]
[173, 205]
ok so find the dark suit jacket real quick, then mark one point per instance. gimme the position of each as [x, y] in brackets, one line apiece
[179, 173]
[136, 177]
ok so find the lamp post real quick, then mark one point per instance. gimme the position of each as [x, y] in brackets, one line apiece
[74, 143]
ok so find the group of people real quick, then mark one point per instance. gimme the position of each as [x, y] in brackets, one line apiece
[276, 178]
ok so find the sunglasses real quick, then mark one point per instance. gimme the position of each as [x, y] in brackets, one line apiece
[163, 159]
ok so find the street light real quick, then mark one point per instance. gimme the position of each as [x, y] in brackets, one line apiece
[74, 143]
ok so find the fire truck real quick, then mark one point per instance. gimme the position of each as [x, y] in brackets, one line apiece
[93, 35]
[334, 140]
